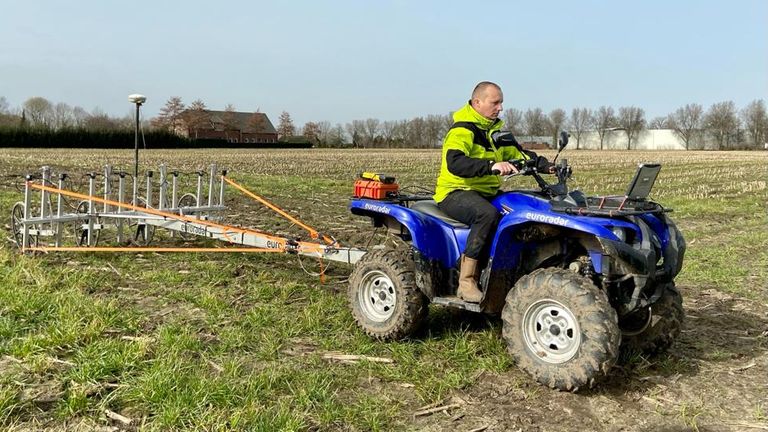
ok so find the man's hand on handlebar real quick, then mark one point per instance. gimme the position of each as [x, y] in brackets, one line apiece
[504, 168]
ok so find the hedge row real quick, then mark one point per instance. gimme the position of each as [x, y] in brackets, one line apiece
[79, 138]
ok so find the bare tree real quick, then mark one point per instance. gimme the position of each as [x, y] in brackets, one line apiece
[755, 122]
[195, 117]
[356, 131]
[388, 132]
[632, 120]
[311, 131]
[371, 131]
[98, 120]
[39, 112]
[63, 116]
[323, 138]
[8, 118]
[721, 122]
[400, 133]
[446, 123]
[415, 133]
[336, 136]
[659, 123]
[79, 116]
[603, 120]
[433, 130]
[686, 122]
[170, 116]
[535, 122]
[581, 120]
[285, 127]
[513, 119]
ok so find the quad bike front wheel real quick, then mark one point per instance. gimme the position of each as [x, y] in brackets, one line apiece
[561, 329]
[654, 329]
[383, 296]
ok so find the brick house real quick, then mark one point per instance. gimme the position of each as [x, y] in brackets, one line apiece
[232, 126]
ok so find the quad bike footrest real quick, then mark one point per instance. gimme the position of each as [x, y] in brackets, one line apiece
[456, 302]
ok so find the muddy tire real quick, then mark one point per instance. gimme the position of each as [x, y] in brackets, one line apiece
[653, 330]
[383, 296]
[561, 329]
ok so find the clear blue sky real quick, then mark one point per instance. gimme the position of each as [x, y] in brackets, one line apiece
[345, 60]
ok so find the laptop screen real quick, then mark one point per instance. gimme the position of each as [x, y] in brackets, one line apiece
[642, 183]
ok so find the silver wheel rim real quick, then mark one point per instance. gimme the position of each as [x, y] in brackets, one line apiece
[17, 214]
[551, 331]
[377, 296]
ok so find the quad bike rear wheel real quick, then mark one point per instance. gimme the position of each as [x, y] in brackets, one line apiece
[654, 329]
[383, 296]
[561, 329]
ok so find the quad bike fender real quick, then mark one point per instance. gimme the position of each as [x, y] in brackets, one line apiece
[514, 222]
[672, 243]
[433, 240]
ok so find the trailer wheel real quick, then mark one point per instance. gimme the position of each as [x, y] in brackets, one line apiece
[17, 227]
[384, 298]
[81, 230]
[653, 330]
[141, 232]
[186, 200]
[561, 329]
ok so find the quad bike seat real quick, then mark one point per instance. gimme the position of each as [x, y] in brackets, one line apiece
[429, 207]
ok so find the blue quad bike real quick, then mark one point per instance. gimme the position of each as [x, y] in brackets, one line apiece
[576, 278]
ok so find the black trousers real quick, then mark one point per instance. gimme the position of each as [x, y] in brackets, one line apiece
[475, 210]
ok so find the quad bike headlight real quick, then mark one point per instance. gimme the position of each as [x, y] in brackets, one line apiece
[620, 233]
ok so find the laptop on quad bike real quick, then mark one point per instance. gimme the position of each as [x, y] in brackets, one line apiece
[641, 185]
[637, 192]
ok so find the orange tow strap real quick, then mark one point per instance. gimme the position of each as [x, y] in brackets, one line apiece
[312, 232]
[226, 230]
[144, 249]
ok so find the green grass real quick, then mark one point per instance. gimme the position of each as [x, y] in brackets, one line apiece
[235, 342]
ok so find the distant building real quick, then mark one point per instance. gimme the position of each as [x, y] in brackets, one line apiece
[529, 142]
[232, 126]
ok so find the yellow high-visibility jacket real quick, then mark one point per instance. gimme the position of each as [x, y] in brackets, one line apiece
[468, 156]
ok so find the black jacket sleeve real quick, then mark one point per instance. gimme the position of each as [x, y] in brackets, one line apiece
[464, 166]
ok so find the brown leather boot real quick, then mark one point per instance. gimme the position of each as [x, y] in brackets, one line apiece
[468, 273]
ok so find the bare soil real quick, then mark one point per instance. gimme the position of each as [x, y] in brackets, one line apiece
[714, 378]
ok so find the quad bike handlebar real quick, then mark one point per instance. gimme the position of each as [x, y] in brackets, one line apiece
[530, 167]
[523, 167]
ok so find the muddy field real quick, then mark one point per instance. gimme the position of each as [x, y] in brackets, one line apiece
[715, 377]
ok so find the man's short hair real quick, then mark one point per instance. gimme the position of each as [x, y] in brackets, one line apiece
[480, 88]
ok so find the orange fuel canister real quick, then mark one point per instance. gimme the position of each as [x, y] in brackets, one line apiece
[377, 190]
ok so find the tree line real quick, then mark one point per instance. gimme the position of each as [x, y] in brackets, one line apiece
[722, 123]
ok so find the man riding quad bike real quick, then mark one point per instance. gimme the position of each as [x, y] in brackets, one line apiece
[574, 277]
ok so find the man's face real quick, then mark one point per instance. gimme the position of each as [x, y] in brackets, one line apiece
[489, 103]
